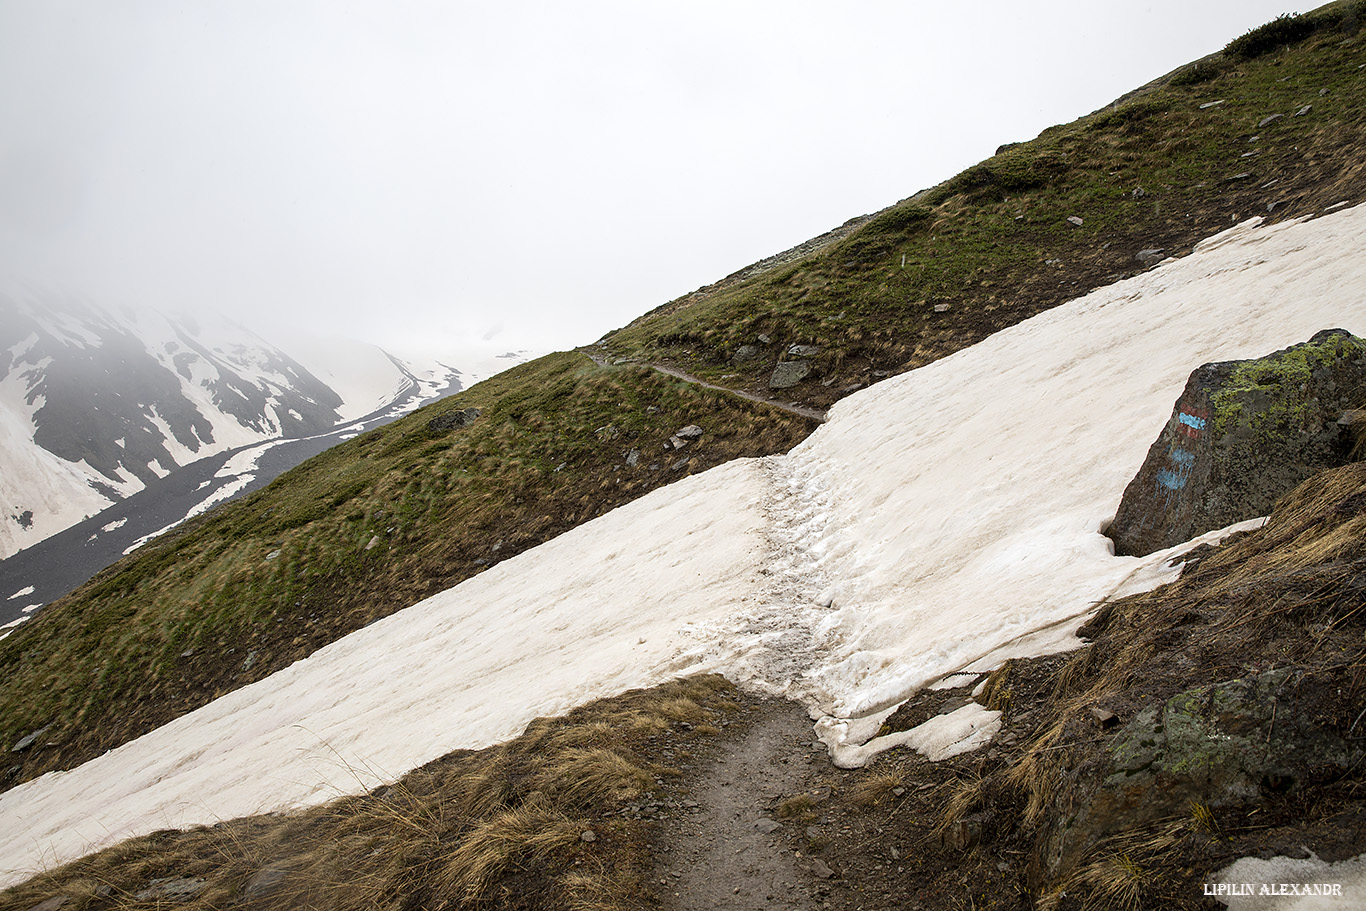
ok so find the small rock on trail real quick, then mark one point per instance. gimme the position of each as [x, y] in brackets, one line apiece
[729, 855]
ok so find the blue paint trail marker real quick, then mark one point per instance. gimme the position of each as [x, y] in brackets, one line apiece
[1182, 457]
[1170, 479]
[1193, 421]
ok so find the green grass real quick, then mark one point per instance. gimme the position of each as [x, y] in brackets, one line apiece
[390, 517]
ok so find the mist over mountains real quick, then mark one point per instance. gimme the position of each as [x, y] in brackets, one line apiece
[97, 404]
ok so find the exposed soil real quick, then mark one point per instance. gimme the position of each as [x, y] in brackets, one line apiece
[730, 851]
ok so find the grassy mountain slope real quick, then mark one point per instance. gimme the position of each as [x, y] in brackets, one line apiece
[393, 516]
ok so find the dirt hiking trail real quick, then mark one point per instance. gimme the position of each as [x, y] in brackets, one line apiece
[732, 851]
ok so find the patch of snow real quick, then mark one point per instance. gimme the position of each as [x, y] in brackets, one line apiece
[937, 520]
[1290, 884]
[26, 590]
[941, 737]
[117, 523]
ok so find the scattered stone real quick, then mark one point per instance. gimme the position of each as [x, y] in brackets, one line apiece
[764, 339]
[452, 420]
[589, 836]
[373, 543]
[767, 826]
[633, 458]
[1304, 110]
[789, 373]
[1271, 119]
[1138, 193]
[1104, 717]
[250, 661]
[1243, 434]
[172, 888]
[1151, 256]
[954, 703]
[1075, 221]
[679, 465]
[691, 432]
[744, 353]
[941, 308]
[677, 442]
[1210, 104]
[29, 740]
[804, 350]
[272, 555]
[821, 869]
[1322, 92]
[1243, 176]
[815, 833]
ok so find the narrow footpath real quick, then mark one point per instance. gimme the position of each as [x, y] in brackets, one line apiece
[729, 854]
[814, 414]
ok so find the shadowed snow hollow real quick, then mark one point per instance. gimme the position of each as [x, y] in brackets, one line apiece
[936, 521]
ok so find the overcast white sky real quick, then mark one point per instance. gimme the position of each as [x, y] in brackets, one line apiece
[429, 173]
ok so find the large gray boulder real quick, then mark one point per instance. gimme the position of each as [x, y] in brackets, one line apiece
[1242, 435]
[788, 374]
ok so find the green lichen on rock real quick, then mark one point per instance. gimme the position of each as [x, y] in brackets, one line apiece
[1281, 379]
[1218, 743]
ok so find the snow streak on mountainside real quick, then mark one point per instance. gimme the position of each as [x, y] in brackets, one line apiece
[94, 405]
[940, 519]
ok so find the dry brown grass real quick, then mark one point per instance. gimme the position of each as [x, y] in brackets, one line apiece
[1122, 873]
[459, 832]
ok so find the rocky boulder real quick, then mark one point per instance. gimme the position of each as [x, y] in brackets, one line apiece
[1227, 744]
[453, 420]
[1243, 434]
[788, 374]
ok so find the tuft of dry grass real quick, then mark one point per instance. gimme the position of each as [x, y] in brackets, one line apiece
[521, 835]
[876, 787]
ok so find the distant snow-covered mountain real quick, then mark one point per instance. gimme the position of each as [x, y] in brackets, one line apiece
[96, 404]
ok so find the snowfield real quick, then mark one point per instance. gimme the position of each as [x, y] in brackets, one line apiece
[940, 520]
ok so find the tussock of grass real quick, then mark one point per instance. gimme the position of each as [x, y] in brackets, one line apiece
[876, 787]
[464, 831]
[521, 835]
